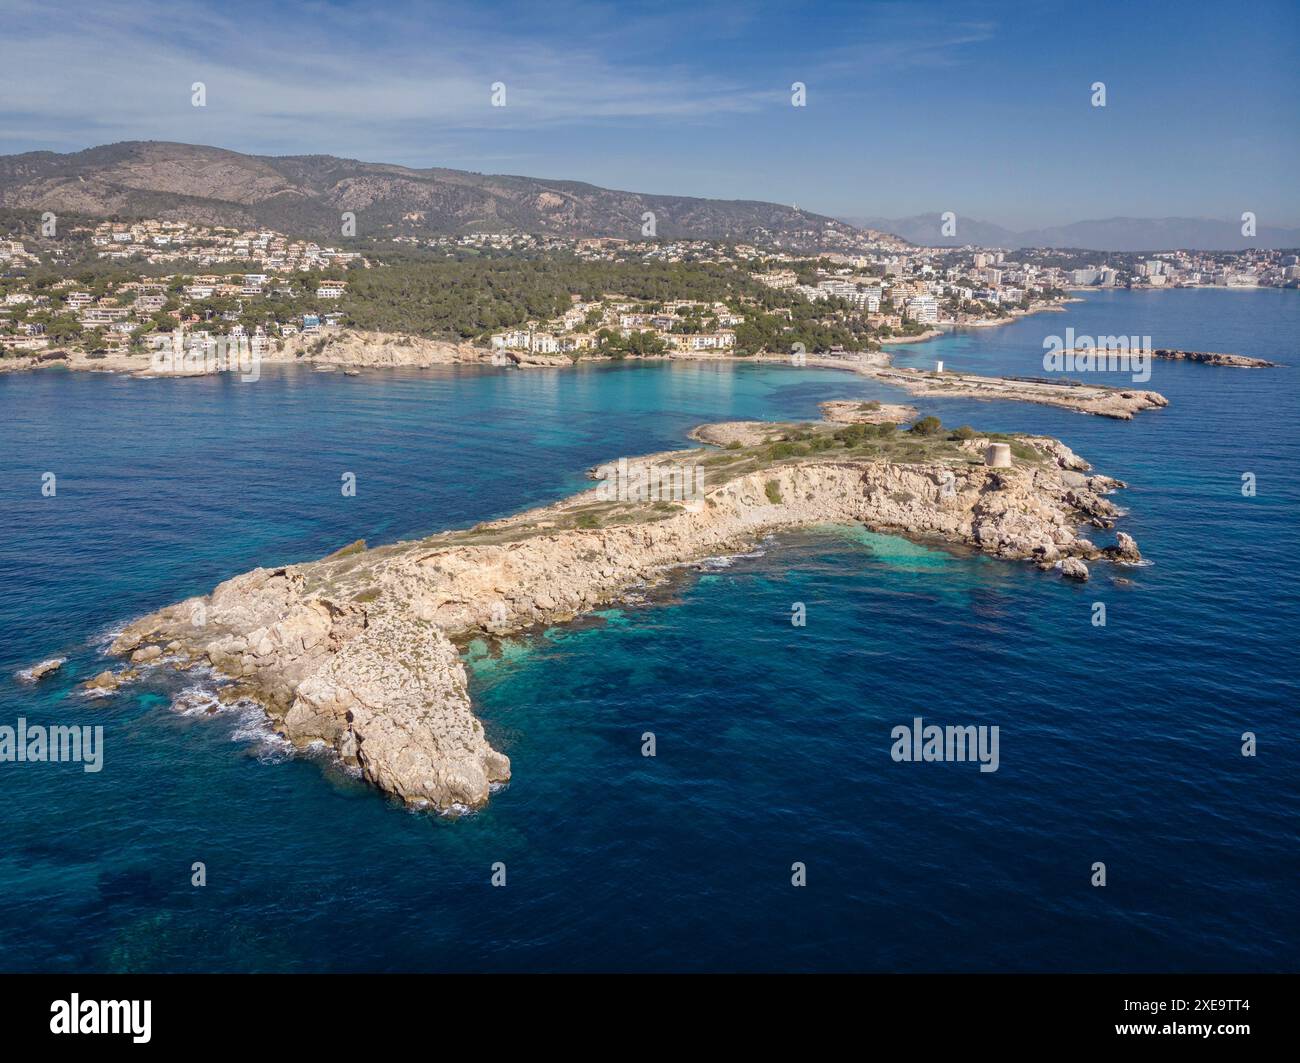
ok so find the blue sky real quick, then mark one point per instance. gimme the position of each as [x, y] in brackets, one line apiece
[979, 108]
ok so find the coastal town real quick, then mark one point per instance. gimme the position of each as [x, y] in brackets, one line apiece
[111, 287]
[118, 311]
[1176, 269]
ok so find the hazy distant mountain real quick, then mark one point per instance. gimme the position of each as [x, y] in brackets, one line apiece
[925, 230]
[1109, 234]
[306, 194]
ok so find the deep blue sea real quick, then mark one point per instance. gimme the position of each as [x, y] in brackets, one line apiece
[1118, 744]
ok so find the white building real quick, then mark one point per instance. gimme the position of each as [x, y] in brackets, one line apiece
[923, 309]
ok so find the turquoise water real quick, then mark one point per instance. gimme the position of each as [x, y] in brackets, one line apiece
[1118, 744]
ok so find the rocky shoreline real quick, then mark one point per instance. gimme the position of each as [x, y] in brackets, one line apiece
[359, 649]
[346, 349]
[1101, 400]
[352, 351]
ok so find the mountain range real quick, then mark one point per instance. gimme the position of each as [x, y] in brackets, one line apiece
[1106, 234]
[307, 194]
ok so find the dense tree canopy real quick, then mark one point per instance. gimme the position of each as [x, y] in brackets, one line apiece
[473, 298]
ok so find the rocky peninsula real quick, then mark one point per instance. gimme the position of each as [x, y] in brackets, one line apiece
[360, 650]
[1098, 399]
[1234, 361]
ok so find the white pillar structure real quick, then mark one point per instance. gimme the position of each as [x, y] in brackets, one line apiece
[998, 455]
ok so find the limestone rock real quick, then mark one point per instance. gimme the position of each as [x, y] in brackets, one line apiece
[395, 699]
[108, 681]
[353, 348]
[1125, 549]
[841, 412]
[1073, 568]
[39, 671]
[1236, 361]
[741, 433]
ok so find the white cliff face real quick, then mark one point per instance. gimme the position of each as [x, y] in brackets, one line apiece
[375, 350]
[393, 700]
[357, 651]
[382, 687]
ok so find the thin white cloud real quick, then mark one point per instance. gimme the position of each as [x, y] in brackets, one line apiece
[382, 80]
[124, 70]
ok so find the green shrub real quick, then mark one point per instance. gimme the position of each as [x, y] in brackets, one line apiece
[358, 547]
[927, 426]
[773, 492]
[963, 432]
